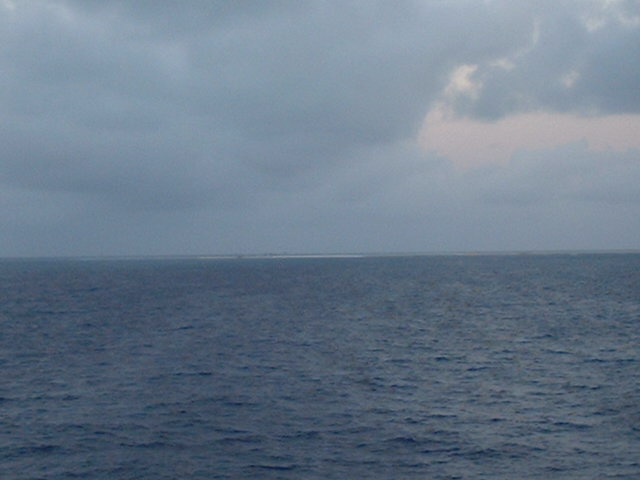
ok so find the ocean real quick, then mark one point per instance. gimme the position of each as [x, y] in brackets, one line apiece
[403, 367]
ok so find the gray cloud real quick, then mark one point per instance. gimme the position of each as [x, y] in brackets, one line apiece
[250, 125]
[325, 77]
[579, 59]
[569, 173]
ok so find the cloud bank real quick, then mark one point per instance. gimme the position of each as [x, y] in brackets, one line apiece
[165, 127]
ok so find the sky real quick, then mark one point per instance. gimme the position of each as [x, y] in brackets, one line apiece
[140, 127]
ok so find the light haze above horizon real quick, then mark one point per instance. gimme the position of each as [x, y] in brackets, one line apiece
[137, 127]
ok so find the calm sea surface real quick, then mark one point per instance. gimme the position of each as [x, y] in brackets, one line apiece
[441, 367]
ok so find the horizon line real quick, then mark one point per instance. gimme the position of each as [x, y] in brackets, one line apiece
[311, 255]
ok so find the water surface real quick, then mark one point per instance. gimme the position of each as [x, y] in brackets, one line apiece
[435, 367]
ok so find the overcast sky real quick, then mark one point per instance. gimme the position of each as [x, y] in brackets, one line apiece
[133, 127]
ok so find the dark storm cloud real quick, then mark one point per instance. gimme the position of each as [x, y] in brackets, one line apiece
[124, 121]
[133, 88]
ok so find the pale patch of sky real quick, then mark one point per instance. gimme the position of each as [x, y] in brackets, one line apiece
[471, 143]
[569, 80]
[462, 83]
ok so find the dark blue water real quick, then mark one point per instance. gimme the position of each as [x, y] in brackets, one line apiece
[496, 367]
